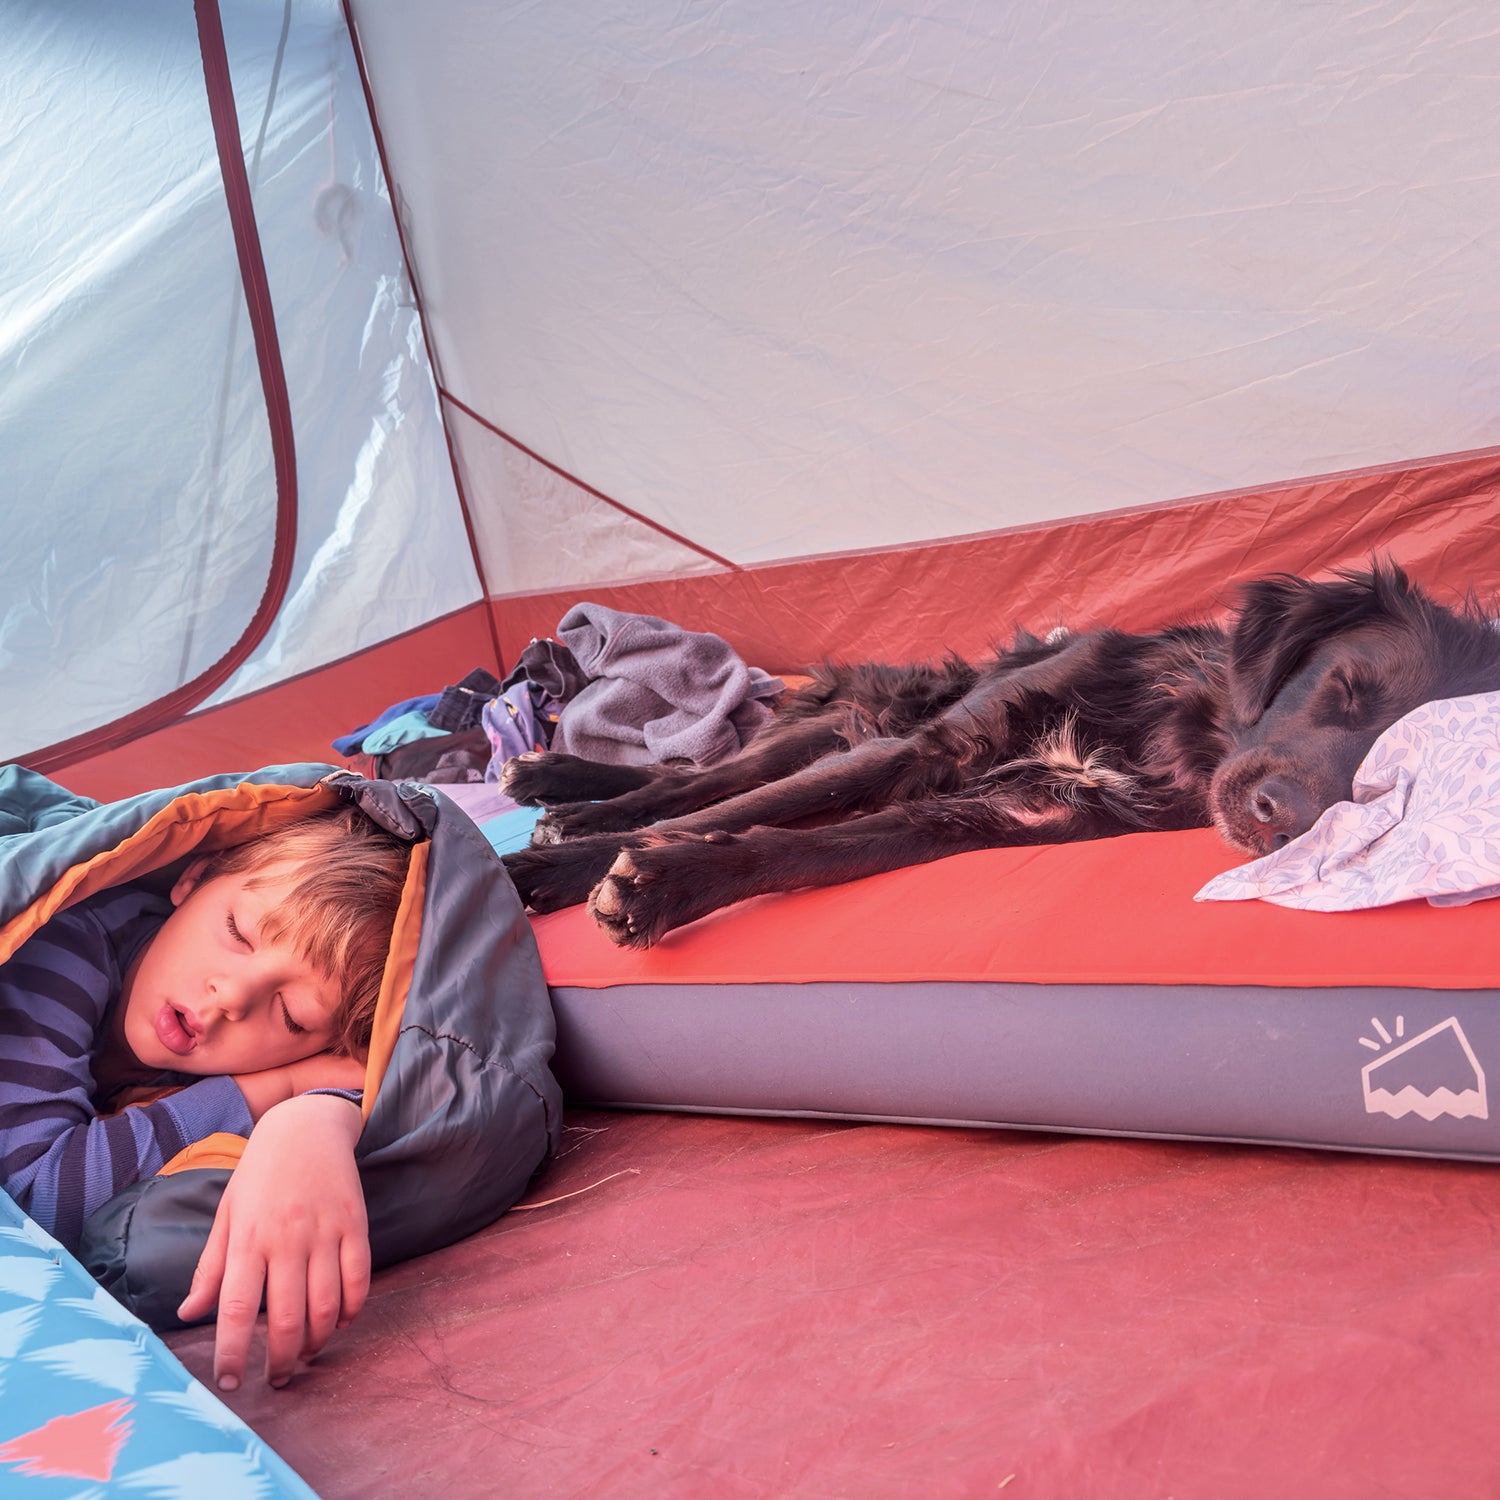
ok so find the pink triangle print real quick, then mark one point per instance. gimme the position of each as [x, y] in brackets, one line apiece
[84, 1445]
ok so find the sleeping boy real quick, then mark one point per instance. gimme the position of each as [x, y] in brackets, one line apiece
[251, 987]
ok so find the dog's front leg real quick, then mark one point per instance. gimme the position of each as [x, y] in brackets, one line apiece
[870, 775]
[671, 877]
[558, 875]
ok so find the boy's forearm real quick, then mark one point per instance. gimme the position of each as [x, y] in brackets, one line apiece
[332, 1114]
[263, 1091]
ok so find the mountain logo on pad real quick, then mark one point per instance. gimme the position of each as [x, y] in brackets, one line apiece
[1435, 1073]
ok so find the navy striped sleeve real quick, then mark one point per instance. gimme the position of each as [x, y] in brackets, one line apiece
[58, 1159]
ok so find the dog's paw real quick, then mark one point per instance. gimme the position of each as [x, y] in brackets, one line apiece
[544, 833]
[524, 778]
[616, 906]
[545, 778]
[673, 879]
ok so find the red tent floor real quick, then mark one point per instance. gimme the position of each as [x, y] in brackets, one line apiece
[735, 1307]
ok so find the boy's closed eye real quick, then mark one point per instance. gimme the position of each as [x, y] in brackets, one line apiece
[238, 937]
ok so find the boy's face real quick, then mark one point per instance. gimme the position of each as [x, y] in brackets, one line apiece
[208, 995]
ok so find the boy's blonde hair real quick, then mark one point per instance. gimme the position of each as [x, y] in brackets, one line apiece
[341, 908]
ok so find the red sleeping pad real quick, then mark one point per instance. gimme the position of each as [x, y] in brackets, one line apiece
[1074, 987]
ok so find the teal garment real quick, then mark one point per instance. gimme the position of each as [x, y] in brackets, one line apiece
[511, 831]
[402, 731]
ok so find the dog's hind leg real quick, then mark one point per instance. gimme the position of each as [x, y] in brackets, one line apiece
[669, 791]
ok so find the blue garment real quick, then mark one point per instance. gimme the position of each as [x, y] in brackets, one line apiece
[59, 1158]
[349, 744]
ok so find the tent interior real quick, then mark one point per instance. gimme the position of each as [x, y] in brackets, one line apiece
[347, 347]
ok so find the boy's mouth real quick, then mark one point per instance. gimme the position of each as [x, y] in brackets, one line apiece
[176, 1030]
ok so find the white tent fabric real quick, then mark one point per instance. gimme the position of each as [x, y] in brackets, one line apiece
[706, 286]
[138, 492]
[538, 529]
[795, 279]
[847, 327]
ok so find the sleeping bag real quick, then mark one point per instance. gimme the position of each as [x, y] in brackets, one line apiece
[460, 1105]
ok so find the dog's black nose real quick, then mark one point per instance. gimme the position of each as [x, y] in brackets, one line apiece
[1281, 808]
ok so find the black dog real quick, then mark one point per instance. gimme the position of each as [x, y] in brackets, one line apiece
[1256, 729]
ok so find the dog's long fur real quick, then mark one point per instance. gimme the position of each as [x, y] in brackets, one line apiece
[1255, 728]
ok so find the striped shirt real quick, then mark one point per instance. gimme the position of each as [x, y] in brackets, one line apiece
[59, 1159]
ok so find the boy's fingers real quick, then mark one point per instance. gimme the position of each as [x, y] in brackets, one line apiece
[201, 1293]
[286, 1316]
[354, 1270]
[239, 1305]
[200, 1299]
[323, 1299]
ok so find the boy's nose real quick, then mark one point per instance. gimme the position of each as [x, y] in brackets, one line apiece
[228, 999]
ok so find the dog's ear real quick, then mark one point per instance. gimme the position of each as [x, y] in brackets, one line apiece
[1283, 617]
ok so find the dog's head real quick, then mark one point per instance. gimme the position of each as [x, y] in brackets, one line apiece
[1317, 671]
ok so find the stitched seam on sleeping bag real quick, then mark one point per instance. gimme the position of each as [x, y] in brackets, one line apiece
[488, 1062]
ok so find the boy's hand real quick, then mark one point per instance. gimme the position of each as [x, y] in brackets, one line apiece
[291, 1222]
[274, 1086]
